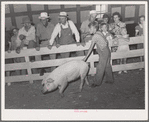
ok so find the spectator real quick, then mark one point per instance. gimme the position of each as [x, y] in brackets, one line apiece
[139, 32]
[106, 33]
[44, 30]
[7, 40]
[27, 35]
[117, 25]
[64, 30]
[104, 66]
[16, 44]
[139, 27]
[123, 37]
[106, 18]
[116, 29]
[85, 35]
[7, 48]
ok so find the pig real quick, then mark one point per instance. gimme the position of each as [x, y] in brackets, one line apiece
[65, 73]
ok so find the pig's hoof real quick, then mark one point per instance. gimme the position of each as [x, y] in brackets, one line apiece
[62, 95]
[93, 85]
[80, 90]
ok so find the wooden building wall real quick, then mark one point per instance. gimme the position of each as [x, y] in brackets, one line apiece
[15, 13]
[77, 13]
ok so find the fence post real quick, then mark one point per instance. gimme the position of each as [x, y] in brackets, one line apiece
[28, 68]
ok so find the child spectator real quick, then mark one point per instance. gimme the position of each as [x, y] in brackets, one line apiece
[139, 32]
[123, 37]
[16, 45]
[104, 66]
[139, 27]
[7, 48]
[105, 31]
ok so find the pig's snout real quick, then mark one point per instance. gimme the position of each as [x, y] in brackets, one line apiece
[43, 91]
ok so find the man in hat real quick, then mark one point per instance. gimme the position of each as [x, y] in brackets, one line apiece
[27, 35]
[43, 35]
[85, 35]
[64, 30]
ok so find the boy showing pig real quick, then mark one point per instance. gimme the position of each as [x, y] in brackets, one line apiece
[104, 66]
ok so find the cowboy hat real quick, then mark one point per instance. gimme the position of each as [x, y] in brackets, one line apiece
[63, 14]
[92, 12]
[44, 15]
[26, 20]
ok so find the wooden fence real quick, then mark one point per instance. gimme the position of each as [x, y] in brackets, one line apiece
[69, 48]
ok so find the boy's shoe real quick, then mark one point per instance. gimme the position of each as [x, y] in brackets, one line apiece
[125, 71]
[93, 85]
[109, 82]
[120, 72]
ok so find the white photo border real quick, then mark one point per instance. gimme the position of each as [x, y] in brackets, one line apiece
[62, 114]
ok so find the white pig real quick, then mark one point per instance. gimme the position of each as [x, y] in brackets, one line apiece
[65, 73]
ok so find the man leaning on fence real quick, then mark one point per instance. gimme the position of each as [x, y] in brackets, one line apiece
[65, 30]
[27, 35]
[44, 30]
[85, 34]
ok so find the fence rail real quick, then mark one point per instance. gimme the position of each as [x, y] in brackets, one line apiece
[69, 48]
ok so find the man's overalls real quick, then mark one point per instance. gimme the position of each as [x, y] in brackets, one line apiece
[65, 39]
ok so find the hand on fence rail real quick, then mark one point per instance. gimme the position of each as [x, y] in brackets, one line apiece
[58, 45]
[83, 44]
[38, 48]
[18, 50]
[50, 47]
[78, 43]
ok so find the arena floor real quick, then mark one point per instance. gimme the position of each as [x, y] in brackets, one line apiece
[126, 93]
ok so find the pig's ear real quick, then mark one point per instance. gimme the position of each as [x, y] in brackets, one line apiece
[50, 80]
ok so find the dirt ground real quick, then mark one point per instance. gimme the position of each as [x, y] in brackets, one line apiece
[127, 92]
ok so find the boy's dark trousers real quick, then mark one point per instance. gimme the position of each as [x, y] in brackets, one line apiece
[104, 67]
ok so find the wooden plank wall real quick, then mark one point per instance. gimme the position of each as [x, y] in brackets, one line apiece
[14, 13]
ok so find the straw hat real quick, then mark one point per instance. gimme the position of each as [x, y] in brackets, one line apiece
[92, 12]
[63, 14]
[44, 15]
[26, 20]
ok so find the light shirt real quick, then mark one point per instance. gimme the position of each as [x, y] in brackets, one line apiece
[30, 34]
[57, 31]
[84, 26]
[44, 32]
[116, 27]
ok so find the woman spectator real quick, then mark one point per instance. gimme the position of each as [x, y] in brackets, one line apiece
[117, 29]
[117, 25]
[139, 32]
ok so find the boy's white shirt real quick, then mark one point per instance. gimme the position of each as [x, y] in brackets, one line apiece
[30, 34]
[57, 30]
